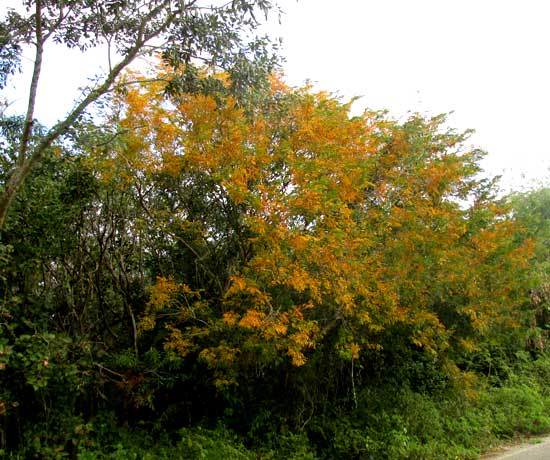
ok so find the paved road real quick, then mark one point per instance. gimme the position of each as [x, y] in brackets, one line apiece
[540, 451]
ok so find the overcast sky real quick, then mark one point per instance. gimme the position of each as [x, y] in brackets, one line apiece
[487, 61]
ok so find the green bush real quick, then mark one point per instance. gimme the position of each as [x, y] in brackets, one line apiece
[517, 410]
[193, 444]
[290, 447]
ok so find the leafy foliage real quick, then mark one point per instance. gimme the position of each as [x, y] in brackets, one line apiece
[531, 210]
[182, 32]
[261, 279]
[325, 224]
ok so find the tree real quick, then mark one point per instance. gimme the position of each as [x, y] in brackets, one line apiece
[532, 211]
[183, 32]
[342, 227]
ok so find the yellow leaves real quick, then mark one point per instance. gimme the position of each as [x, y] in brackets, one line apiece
[200, 111]
[430, 333]
[171, 164]
[344, 221]
[223, 355]
[300, 241]
[479, 315]
[166, 294]
[279, 328]
[276, 328]
[468, 381]
[297, 357]
[299, 342]
[355, 349]
[177, 343]
[162, 292]
[471, 312]
[468, 345]
[253, 319]
[300, 280]
[241, 288]
[308, 200]
[350, 351]
[136, 101]
[221, 359]
[146, 323]
[230, 318]
[278, 85]
[302, 339]
[238, 283]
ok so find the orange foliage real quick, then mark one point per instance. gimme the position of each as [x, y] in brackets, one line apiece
[355, 222]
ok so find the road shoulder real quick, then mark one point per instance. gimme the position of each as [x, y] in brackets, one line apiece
[524, 450]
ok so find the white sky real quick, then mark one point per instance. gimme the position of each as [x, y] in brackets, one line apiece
[488, 61]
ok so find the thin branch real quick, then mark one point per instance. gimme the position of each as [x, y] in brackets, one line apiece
[145, 80]
[34, 87]
[353, 385]
[59, 21]
[109, 59]
[25, 165]
[110, 371]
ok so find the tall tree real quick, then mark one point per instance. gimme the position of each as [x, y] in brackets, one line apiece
[337, 226]
[182, 31]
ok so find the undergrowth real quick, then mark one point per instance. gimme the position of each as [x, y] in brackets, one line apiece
[388, 424]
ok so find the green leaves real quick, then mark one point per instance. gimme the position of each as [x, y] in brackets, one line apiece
[181, 32]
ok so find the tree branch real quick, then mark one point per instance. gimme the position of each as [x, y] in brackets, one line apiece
[27, 127]
[25, 165]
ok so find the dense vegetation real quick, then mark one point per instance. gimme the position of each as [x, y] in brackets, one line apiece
[220, 273]
[285, 281]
